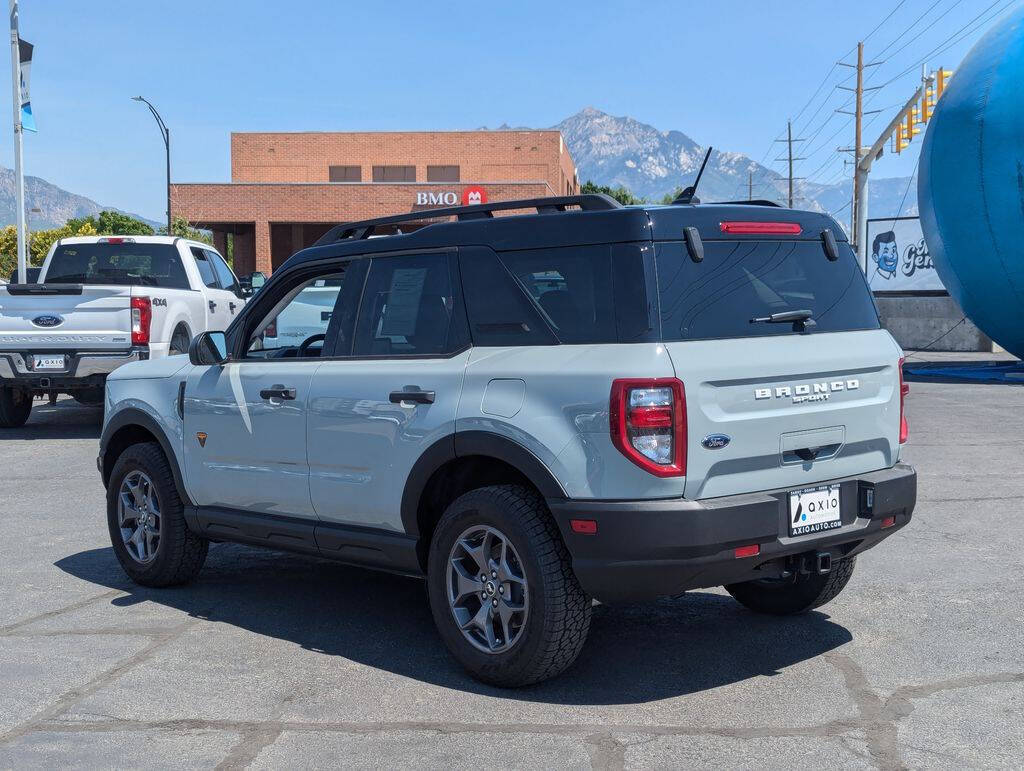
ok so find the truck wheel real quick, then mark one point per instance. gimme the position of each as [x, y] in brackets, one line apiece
[797, 594]
[90, 397]
[15, 406]
[502, 590]
[179, 342]
[146, 520]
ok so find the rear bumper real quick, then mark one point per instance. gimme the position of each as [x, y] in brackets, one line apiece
[645, 549]
[84, 368]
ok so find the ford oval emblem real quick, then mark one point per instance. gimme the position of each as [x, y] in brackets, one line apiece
[50, 320]
[715, 441]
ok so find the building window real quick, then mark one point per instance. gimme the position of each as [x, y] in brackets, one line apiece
[346, 173]
[394, 173]
[442, 173]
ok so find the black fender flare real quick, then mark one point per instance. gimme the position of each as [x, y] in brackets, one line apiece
[464, 444]
[133, 416]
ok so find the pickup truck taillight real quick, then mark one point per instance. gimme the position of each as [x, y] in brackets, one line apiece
[142, 318]
[648, 423]
[904, 390]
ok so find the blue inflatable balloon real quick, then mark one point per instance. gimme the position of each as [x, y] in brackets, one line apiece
[971, 184]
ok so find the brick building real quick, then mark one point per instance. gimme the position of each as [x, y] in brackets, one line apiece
[287, 189]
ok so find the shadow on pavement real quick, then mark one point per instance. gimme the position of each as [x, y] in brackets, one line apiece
[635, 653]
[67, 419]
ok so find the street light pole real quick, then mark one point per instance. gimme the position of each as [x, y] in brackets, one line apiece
[166, 134]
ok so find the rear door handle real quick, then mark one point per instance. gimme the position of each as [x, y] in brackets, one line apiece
[412, 394]
[213, 306]
[232, 307]
[277, 392]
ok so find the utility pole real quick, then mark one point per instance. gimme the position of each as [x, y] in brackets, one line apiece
[859, 201]
[750, 186]
[860, 181]
[789, 158]
[19, 173]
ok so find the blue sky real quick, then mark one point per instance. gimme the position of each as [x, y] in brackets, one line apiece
[727, 73]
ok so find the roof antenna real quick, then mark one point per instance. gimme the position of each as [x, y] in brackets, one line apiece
[688, 195]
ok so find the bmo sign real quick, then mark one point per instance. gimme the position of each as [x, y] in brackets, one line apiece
[470, 197]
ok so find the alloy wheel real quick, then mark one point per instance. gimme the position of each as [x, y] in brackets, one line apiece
[138, 515]
[487, 589]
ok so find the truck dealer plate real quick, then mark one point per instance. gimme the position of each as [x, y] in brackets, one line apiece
[48, 362]
[814, 510]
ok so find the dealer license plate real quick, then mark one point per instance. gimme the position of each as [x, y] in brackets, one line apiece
[814, 510]
[48, 362]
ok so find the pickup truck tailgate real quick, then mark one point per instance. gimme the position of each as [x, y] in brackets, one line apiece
[60, 316]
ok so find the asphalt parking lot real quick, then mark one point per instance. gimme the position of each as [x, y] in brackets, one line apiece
[271, 660]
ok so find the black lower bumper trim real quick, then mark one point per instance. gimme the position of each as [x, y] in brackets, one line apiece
[645, 549]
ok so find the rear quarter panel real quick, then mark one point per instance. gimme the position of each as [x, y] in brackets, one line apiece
[554, 401]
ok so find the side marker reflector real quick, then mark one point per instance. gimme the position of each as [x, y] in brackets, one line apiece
[583, 526]
[747, 551]
[888, 522]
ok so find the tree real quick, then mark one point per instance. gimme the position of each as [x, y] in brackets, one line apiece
[670, 197]
[620, 193]
[180, 227]
[113, 223]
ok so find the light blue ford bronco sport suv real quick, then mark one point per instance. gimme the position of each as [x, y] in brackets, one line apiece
[579, 401]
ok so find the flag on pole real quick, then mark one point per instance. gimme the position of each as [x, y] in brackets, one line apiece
[28, 122]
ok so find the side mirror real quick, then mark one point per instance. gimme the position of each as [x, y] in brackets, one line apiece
[257, 280]
[208, 348]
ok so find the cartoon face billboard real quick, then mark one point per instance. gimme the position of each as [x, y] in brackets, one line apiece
[898, 259]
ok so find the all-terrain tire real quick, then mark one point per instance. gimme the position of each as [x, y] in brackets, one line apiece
[15, 407]
[558, 620]
[799, 594]
[180, 553]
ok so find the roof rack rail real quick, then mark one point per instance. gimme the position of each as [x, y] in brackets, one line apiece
[550, 205]
[752, 202]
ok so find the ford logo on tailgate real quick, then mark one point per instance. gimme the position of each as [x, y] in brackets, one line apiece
[50, 320]
[715, 441]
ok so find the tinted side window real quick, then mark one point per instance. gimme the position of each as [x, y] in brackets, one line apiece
[500, 313]
[227, 278]
[742, 280]
[206, 271]
[409, 307]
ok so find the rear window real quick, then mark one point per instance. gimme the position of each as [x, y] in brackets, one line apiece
[743, 280]
[124, 264]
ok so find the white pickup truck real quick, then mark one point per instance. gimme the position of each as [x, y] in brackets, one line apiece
[104, 301]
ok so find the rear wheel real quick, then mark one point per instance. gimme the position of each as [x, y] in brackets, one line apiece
[15, 407]
[502, 590]
[146, 520]
[796, 594]
[179, 342]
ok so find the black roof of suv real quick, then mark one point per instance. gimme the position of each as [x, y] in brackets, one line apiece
[559, 221]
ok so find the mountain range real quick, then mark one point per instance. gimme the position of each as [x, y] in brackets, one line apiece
[611, 150]
[54, 204]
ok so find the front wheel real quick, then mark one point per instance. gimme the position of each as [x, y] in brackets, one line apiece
[502, 590]
[15, 407]
[796, 594]
[146, 520]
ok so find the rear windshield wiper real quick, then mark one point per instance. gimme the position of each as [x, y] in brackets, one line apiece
[783, 317]
[800, 319]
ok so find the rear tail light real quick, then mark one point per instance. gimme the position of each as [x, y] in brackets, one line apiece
[648, 424]
[761, 228]
[904, 390]
[271, 329]
[142, 318]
